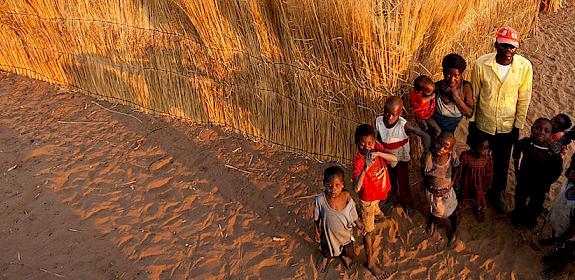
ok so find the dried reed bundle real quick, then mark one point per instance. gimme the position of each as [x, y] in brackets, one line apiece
[301, 74]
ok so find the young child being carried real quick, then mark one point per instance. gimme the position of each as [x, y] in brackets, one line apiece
[335, 216]
[536, 168]
[561, 123]
[393, 131]
[423, 104]
[475, 174]
[371, 182]
[439, 185]
[562, 221]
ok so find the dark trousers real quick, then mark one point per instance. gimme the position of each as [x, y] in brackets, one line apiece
[399, 176]
[527, 212]
[501, 145]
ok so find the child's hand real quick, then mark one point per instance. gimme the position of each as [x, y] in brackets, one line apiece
[428, 163]
[359, 225]
[369, 160]
[317, 237]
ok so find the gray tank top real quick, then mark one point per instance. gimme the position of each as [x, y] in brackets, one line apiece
[448, 109]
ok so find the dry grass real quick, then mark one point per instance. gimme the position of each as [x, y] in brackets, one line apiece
[297, 73]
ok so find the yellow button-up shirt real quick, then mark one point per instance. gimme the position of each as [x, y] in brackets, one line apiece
[500, 105]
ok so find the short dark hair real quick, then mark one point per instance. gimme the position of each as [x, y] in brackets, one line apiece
[332, 172]
[477, 140]
[454, 61]
[445, 134]
[542, 119]
[421, 81]
[364, 130]
[567, 122]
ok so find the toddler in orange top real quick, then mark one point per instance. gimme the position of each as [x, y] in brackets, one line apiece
[423, 104]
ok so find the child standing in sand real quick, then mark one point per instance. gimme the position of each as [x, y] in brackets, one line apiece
[423, 104]
[439, 185]
[335, 216]
[475, 174]
[371, 182]
[536, 168]
[394, 131]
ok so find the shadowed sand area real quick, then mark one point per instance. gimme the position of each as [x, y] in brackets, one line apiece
[90, 193]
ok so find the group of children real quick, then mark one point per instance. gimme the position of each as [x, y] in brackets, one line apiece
[381, 173]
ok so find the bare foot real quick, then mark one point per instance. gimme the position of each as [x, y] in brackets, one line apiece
[347, 262]
[430, 228]
[377, 272]
[322, 263]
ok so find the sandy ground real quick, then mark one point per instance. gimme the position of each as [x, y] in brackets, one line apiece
[89, 190]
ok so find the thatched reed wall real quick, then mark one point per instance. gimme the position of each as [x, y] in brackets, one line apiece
[297, 73]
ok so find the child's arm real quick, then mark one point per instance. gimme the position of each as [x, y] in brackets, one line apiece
[316, 218]
[391, 158]
[426, 145]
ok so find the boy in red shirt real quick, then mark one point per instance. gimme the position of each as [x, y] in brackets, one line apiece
[371, 182]
[423, 105]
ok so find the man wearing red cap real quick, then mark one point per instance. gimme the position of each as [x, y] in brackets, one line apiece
[502, 85]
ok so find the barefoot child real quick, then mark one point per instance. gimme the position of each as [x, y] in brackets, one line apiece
[335, 216]
[561, 123]
[371, 182]
[423, 104]
[475, 174]
[538, 169]
[394, 131]
[439, 185]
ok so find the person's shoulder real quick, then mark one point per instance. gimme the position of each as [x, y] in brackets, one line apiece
[319, 197]
[522, 61]
[484, 58]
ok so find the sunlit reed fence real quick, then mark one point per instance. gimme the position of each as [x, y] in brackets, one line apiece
[300, 74]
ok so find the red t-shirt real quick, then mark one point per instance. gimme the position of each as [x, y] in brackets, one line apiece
[373, 188]
[422, 110]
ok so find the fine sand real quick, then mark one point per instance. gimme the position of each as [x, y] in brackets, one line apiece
[90, 190]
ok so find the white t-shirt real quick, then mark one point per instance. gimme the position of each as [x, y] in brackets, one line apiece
[503, 70]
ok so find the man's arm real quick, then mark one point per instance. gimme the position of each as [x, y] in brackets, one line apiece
[524, 97]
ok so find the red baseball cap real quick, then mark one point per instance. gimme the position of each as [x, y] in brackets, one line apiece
[508, 35]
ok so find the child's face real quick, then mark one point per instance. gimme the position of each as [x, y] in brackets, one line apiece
[541, 132]
[366, 144]
[483, 149]
[558, 123]
[391, 113]
[443, 146]
[334, 186]
[427, 90]
[452, 75]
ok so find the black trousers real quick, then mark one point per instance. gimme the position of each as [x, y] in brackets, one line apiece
[501, 145]
[528, 211]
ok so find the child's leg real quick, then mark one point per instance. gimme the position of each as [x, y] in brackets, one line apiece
[347, 255]
[404, 190]
[430, 227]
[368, 217]
[534, 208]
[325, 256]
[521, 195]
[433, 127]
